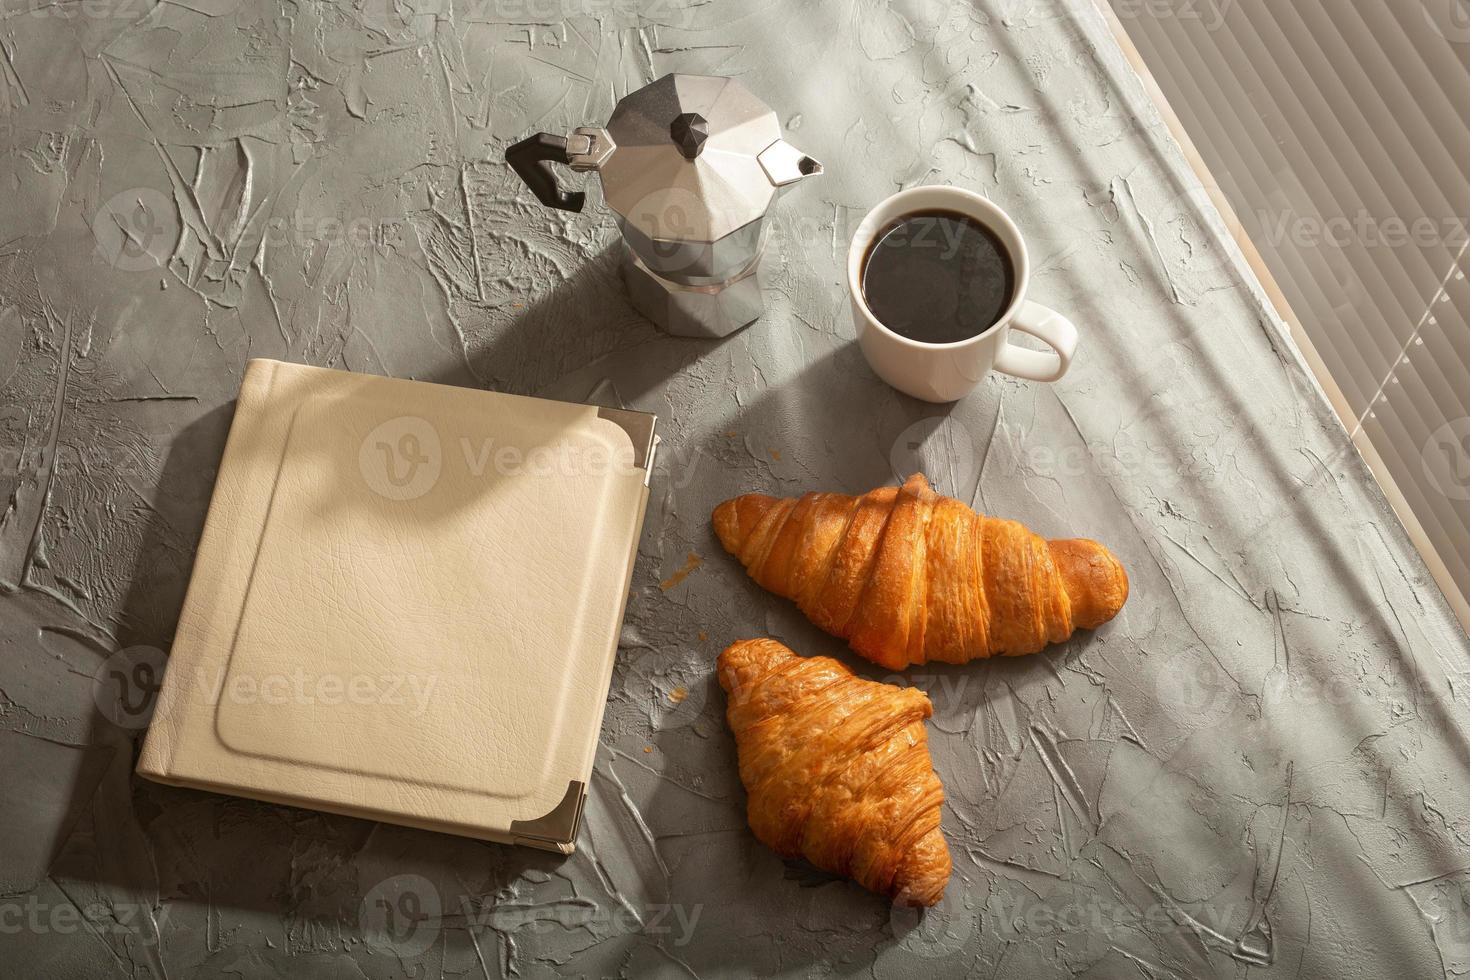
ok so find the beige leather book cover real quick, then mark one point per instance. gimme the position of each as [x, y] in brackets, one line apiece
[406, 603]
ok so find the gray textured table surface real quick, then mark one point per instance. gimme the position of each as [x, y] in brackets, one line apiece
[1259, 769]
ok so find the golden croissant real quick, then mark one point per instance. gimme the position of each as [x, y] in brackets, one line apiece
[907, 576]
[837, 769]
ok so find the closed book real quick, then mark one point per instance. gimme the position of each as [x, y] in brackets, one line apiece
[406, 603]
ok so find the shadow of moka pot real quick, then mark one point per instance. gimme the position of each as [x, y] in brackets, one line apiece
[692, 166]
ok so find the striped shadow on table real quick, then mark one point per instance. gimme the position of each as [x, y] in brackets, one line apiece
[1334, 135]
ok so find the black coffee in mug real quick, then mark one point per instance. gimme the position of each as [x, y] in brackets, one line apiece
[938, 277]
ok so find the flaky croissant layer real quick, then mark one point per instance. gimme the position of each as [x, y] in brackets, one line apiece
[908, 576]
[837, 769]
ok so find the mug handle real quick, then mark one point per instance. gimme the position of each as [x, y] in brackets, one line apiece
[1047, 326]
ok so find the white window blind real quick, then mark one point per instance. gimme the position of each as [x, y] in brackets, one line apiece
[1338, 131]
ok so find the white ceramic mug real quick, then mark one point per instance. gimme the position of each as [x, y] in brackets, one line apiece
[946, 372]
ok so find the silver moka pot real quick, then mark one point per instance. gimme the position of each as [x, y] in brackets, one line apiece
[692, 166]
